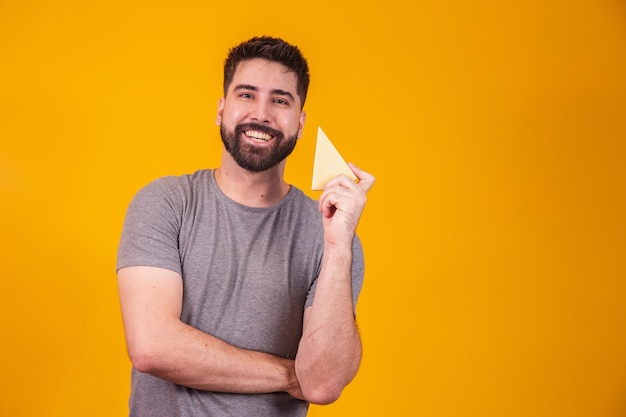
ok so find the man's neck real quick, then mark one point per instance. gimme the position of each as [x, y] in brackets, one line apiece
[252, 189]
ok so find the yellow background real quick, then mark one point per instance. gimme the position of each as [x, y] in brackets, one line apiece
[495, 235]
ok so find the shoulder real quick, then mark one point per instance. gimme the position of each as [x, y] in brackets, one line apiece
[174, 191]
[178, 184]
[197, 179]
[300, 215]
[307, 206]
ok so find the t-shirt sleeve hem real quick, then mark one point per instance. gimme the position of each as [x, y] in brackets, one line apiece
[150, 263]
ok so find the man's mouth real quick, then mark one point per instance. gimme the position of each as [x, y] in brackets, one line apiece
[258, 136]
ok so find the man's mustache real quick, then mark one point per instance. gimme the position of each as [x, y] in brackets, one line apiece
[259, 127]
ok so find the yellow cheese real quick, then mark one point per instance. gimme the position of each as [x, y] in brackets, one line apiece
[328, 163]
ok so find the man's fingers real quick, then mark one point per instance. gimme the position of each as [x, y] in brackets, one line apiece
[366, 180]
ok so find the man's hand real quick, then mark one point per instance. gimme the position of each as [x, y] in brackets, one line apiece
[342, 203]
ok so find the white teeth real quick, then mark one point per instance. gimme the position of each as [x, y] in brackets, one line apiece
[255, 134]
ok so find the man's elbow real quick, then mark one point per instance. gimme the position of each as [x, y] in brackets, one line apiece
[323, 394]
[325, 387]
[144, 358]
[327, 390]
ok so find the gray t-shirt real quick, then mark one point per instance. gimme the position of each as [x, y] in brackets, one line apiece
[248, 273]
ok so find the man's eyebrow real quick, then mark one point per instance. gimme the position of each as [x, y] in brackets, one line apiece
[276, 91]
[284, 93]
[245, 87]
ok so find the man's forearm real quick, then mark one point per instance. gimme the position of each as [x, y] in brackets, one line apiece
[330, 349]
[159, 343]
[197, 360]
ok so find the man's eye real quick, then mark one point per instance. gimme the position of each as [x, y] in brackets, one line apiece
[280, 101]
[246, 95]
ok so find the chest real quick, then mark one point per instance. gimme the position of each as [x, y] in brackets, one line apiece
[247, 275]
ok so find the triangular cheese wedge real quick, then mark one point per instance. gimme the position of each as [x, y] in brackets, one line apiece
[328, 163]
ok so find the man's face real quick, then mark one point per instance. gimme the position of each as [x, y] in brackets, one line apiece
[260, 118]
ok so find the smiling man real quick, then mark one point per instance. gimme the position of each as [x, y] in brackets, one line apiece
[237, 290]
[261, 107]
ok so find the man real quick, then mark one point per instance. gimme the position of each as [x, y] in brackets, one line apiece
[237, 290]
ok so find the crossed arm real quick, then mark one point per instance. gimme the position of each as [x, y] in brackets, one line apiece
[159, 343]
[329, 352]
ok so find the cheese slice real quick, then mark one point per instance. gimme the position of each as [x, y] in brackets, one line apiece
[328, 163]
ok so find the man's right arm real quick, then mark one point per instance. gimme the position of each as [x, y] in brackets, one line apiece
[160, 344]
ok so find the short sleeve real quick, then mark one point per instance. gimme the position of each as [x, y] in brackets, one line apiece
[151, 229]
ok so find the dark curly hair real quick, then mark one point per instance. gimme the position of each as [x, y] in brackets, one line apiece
[272, 49]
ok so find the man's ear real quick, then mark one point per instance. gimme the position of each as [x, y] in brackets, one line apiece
[220, 110]
[301, 124]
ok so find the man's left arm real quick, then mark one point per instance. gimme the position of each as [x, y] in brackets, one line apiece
[329, 353]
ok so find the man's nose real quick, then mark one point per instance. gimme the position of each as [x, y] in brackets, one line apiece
[261, 112]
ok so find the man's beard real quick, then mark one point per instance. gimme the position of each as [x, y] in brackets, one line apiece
[253, 158]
